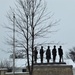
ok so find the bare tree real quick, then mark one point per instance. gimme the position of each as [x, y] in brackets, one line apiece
[71, 54]
[32, 23]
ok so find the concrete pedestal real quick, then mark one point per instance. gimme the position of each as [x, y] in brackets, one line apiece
[52, 69]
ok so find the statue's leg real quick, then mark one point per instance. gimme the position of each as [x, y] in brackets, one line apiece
[60, 58]
[53, 58]
[48, 60]
[41, 59]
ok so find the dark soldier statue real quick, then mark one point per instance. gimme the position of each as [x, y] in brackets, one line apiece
[54, 53]
[60, 52]
[35, 54]
[48, 54]
[41, 54]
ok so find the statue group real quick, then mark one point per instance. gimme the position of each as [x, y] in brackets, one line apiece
[48, 54]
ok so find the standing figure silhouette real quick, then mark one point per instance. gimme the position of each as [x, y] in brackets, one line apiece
[48, 54]
[41, 54]
[35, 54]
[60, 52]
[54, 53]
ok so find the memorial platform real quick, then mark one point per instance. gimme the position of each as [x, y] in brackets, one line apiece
[51, 63]
[52, 69]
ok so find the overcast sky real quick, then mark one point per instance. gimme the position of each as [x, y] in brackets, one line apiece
[62, 9]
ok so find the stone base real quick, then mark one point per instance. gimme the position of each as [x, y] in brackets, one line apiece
[55, 69]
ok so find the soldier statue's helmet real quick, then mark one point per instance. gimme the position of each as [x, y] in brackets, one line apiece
[41, 46]
[48, 46]
[54, 46]
[60, 46]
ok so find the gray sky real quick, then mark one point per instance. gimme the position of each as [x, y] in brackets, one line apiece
[62, 9]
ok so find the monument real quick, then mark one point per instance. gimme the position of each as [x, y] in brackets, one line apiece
[53, 68]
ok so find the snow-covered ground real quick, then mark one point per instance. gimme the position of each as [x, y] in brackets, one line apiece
[22, 62]
[70, 62]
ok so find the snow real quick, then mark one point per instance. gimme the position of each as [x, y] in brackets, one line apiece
[70, 62]
[21, 62]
